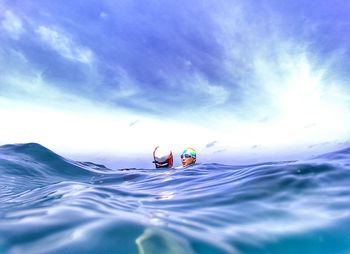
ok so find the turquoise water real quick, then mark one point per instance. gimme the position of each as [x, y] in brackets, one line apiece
[49, 204]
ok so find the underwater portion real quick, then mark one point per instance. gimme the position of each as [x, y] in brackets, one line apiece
[50, 204]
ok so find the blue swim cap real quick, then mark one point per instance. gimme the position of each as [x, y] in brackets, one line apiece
[190, 151]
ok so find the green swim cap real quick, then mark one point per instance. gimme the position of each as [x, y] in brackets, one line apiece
[190, 151]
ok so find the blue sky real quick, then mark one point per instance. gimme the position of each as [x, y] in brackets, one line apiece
[234, 79]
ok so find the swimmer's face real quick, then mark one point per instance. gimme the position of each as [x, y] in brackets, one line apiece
[187, 160]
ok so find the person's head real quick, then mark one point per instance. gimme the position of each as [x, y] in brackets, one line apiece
[162, 158]
[188, 157]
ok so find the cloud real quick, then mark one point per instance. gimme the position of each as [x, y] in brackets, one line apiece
[64, 45]
[133, 123]
[220, 151]
[211, 144]
[22, 81]
[103, 15]
[13, 25]
[217, 94]
[124, 86]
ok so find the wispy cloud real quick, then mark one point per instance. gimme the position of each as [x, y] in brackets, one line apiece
[133, 123]
[124, 86]
[211, 144]
[213, 93]
[64, 45]
[12, 24]
[103, 15]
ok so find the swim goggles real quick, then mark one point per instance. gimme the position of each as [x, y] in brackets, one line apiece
[161, 164]
[186, 156]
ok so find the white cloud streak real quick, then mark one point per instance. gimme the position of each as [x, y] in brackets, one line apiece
[64, 45]
[12, 24]
[217, 94]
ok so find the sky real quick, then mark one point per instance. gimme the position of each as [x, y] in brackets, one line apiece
[240, 81]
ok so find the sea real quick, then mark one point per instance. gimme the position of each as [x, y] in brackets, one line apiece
[51, 204]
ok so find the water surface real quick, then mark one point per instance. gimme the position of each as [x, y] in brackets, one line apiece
[50, 204]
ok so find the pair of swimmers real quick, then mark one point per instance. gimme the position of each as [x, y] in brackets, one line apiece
[163, 158]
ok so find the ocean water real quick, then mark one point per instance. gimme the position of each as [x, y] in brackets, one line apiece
[50, 204]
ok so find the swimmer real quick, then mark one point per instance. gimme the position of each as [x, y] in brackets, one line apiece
[162, 158]
[188, 157]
